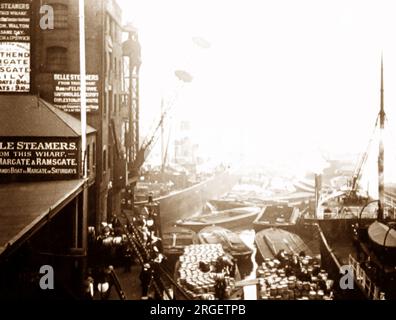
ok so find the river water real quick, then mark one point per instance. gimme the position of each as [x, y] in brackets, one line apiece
[248, 271]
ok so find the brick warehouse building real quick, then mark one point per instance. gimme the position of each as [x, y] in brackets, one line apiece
[112, 102]
[41, 108]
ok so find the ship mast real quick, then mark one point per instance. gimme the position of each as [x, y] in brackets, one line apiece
[381, 194]
[162, 139]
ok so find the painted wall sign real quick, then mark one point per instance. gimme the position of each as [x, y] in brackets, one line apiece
[38, 158]
[15, 21]
[14, 67]
[15, 38]
[67, 92]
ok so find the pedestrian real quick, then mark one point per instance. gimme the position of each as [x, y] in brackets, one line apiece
[117, 226]
[105, 283]
[145, 279]
[220, 286]
[127, 259]
[88, 290]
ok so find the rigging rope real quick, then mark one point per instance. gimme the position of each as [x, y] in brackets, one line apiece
[393, 136]
[363, 160]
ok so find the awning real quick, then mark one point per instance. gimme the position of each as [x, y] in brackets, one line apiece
[30, 116]
[26, 207]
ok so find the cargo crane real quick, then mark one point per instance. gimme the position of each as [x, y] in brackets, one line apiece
[352, 196]
[150, 141]
[147, 145]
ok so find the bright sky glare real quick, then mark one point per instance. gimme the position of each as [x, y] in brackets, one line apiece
[282, 81]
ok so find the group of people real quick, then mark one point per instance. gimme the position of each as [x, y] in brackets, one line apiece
[224, 269]
[294, 265]
[150, 251]
[107, 249]
[110, 247]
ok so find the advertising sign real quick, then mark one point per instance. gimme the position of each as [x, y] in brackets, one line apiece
[15, 19]
[14, 67]
[15, 37]
[38, 158]
[67, 92]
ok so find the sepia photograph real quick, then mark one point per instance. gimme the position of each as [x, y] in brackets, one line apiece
[212, 150]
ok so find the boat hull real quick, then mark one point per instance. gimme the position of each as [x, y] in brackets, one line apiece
[284, 217]
[270, 241]
[235, 224]
[176, 239]
[228, 204]
[242, 219]
[229, 240]
[189, 202]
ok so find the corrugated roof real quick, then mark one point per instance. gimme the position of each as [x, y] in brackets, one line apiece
[30, 116]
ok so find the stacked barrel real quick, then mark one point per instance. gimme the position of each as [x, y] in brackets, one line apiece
[306, 282]
[194, 280]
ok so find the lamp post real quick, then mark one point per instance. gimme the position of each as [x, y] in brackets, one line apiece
[83, 90]
[80, 239]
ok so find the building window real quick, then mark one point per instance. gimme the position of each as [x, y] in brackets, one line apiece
[108, 23]
[93, 155]
[88, 159]
[116, 103]
[113, 30]
[56, 59]
[126, 100]
[110, 62]
[107, 62]
[111, 100]
[60, 16]
[119, 34]
[124, 130]
[104, 162]
[105, 105]
[110, 156]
